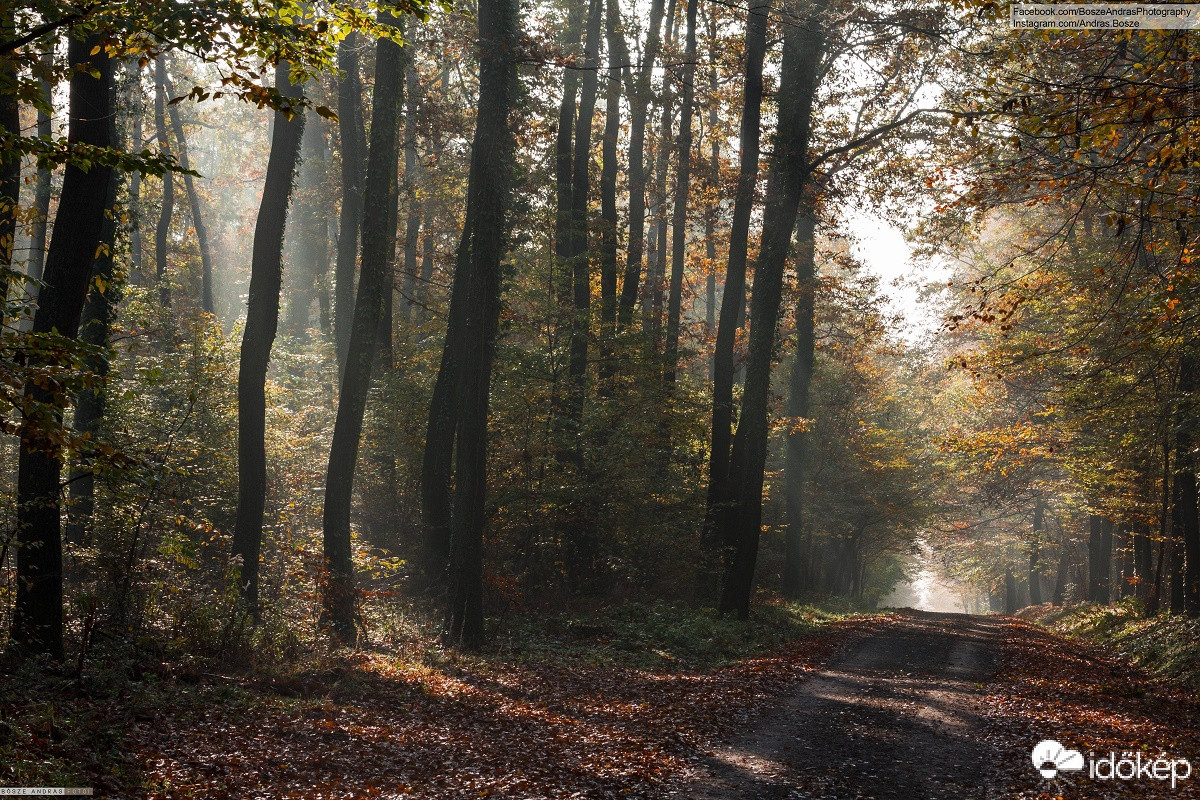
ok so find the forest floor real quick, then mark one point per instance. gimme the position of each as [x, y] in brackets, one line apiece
[905, 705]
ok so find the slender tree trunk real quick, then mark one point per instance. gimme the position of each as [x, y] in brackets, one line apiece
[352, 141]
[608, 190]
[163, 230]
[137, 262]
[639, 103]
[563, 156]
[1064, 566]
[480, 251]
[1155, 603]
[795, 578]
[44, 183]
[37, 625]
[10, 162]
[787, 184]
[580, 255]
[714, 179]
[412, 166]
[95, 328]
[428, 241]
[378, 252]
[1176, 547]
[206, 263]
[307, 245]
[720, 488]
[262, 323]
[1035, 550]
[1185, 478]
[683, 176]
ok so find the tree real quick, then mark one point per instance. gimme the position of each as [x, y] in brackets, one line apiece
[720, 488]
[786, 186]
[38, 611]
[639, 103]
[478, 271]
[352, 140]
[262, 322]
[206, 265]
[162, 231]
[683, 172]
[378, 252]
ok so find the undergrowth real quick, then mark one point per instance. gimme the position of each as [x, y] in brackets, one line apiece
[1166, 645]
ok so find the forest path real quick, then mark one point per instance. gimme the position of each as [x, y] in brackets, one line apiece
[892, 716]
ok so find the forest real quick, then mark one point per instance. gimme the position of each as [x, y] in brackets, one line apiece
[409, 376]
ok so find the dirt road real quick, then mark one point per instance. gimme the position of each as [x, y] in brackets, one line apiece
[893, 716]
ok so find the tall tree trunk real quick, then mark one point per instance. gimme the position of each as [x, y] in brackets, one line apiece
[262, 323]
[378, 252]
[795, 577]
[480, 251]
[37, 625]
[10, 162]
[95, 328]
[307, 245]
[137, 263]
[412, 166]
[1064, 566]
[683, 176]
[639, 104]
[580, 255]
[352, 141]
[608, 189]
[720, 488]
[787, 183]
[1035, 550]
[163, 230]
[713, 180]
[1185, 478]
[44, 184]
[1155, 602]
[428, 240]
[564, 155]
[1176, 549]
[206, 265]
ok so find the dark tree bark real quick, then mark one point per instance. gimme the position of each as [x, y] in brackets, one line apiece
[652, 302]
[136, 259]
[795, 569]
[44, 183]
[608, 183]
[713, 180]
[262, 323]
[10, 162]
[1155, 602]
[480, 251]
[580, 255]
[683, 177]
[37, 625]
[163, 230]
[787, 183]
[412, 167]
[428, 241]
[352, 141]
[95, 328]
[1185, 480]
[1011, 603]
[1035, 550]
[378, 253]
[1176, 549]
[720, 489]
[307, 245]
[639, 103]
[564, 156]
[206, 264]
[1064, 566]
